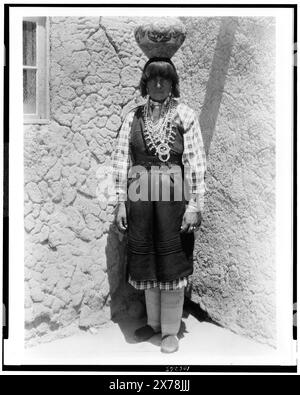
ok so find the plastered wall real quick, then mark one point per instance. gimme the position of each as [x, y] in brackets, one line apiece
[74, 257]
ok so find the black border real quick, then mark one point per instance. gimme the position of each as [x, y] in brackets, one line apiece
[5, 289]
[134, 368]
[294, 155]
[146, 5]
[154, 368]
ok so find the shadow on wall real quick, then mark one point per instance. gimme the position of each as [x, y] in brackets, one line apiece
[217, 78]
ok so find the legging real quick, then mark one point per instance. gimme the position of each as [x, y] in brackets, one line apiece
[164, 310]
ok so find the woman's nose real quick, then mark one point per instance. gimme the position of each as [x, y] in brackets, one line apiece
[158, 83]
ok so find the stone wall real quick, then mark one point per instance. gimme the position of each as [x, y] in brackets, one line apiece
[75, 258]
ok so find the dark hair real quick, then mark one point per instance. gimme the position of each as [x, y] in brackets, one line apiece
[162, 67]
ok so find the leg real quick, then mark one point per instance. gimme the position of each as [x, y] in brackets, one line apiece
[171, 314]
[152, 297]
[153, 302]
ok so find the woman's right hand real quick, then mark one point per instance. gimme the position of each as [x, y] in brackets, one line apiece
[121, 217]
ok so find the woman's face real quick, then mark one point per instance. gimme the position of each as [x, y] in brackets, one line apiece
[159, 88]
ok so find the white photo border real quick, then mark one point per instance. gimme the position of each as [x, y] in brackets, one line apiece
[285, 355]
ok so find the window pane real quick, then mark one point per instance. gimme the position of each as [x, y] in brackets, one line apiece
[29, 91]
[29, 43]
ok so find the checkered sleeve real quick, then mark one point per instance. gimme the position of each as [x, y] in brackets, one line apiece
[121, 158]
[194, 158]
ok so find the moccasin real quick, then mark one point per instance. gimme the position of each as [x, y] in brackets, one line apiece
[144, 333]
[169, 344]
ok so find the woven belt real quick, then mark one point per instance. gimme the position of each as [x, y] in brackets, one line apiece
[149, 163]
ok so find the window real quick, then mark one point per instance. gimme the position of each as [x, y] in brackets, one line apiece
[35, 72]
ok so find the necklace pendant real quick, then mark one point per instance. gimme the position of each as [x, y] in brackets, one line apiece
[163, 152]
[164, 157]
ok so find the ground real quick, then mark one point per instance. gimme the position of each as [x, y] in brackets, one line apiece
[201, 342]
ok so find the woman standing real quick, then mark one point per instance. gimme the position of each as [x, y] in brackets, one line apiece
[159, 165]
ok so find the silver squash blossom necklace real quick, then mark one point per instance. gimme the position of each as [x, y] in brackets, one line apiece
[160, 135]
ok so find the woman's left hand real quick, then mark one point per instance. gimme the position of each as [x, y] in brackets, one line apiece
[191, 221]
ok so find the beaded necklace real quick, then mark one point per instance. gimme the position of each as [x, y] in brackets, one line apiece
[159, 136]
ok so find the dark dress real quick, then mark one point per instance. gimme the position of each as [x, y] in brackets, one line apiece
[156, 248]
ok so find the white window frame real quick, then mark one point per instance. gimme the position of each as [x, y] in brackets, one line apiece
[42, 76]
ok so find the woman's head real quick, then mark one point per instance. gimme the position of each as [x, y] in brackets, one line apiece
[159, 78]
